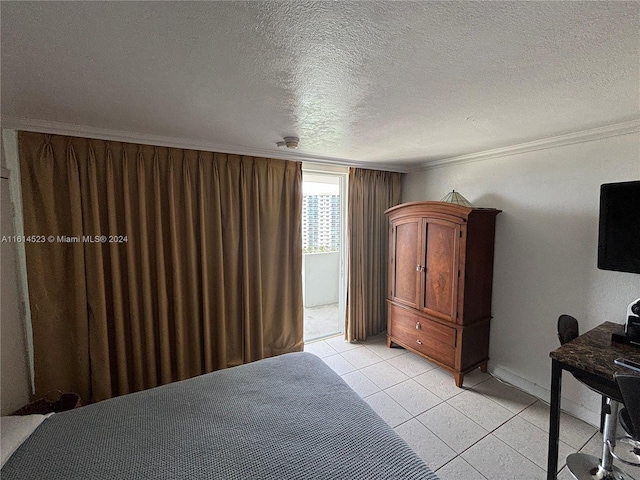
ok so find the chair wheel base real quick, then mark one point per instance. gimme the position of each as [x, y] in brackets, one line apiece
[587, 467]
[627, 450]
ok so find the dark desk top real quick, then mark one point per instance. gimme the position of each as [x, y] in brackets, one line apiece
[594, 352]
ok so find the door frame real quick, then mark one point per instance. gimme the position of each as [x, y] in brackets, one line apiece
[342, 174]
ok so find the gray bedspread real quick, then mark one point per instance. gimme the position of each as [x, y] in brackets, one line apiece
[287, 417]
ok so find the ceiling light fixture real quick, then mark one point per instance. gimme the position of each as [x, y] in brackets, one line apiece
[289, 142]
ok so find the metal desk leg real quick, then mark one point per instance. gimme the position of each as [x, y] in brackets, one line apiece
[554, 420]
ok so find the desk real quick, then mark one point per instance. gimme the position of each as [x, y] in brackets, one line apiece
[592, 354]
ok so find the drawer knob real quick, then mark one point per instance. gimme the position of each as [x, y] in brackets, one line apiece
[417, 325]
[419, 342]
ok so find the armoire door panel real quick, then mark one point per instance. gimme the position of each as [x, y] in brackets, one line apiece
[441, 269]
[406, 275]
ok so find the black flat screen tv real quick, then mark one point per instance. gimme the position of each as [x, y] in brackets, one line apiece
[619, 228]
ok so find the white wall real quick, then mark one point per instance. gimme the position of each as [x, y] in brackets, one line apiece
[546, 249]
[14, 373]
[321, 278]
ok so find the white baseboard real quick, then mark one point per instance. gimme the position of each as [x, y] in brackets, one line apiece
[543, 393]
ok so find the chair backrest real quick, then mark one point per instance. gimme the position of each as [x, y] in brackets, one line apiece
[630, 389]
[567, 328]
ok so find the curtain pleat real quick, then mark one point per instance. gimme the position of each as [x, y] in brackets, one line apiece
[56, 212]
[209, 275]
[371, 192]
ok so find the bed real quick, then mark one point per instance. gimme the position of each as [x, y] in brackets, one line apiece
[287, 417]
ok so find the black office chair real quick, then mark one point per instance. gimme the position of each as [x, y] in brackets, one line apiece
[629, 417]
[581, 465]
[567, 328]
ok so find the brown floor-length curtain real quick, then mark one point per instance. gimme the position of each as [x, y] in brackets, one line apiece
[179, 262]
[371, 192]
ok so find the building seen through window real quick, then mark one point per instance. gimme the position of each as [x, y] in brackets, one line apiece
[320, 218]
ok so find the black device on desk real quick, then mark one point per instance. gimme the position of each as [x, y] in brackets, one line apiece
[632, 327]
[633, 321]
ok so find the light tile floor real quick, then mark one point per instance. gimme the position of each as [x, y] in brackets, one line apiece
[485, 430]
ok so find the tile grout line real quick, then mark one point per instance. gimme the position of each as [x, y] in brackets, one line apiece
[475, 469]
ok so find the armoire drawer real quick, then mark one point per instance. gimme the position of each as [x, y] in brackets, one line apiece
[427, 337]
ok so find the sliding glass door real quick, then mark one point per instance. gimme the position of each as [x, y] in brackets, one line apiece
[323, 253]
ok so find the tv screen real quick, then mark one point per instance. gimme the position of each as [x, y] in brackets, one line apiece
[619, 232]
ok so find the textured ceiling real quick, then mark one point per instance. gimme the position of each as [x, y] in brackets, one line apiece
[388, 83]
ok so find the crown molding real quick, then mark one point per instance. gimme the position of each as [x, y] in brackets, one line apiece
[599, 133]
[57, 128]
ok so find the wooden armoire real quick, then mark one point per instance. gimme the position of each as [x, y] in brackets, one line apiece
[440, 280]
